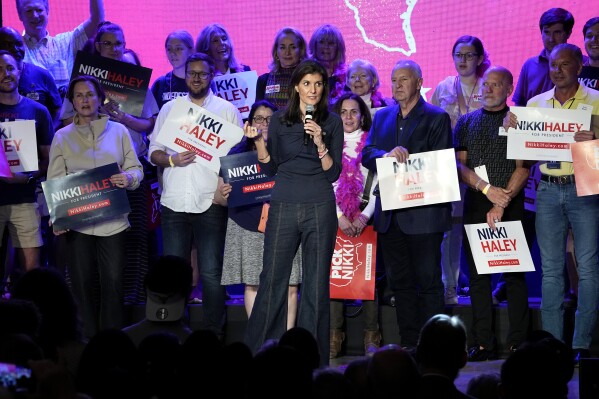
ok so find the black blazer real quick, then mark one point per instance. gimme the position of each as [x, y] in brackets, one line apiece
[428, 129]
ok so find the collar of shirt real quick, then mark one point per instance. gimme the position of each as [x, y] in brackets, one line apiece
[206, 101]
[33, 41]
[579, 96]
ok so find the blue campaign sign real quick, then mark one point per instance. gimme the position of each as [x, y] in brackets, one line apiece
[85, 198]
[249, 184]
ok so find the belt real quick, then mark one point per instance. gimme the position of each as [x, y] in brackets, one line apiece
[565, 179]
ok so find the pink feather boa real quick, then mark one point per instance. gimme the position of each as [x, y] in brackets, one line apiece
[351, 182]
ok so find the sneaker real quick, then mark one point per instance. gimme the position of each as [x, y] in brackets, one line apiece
[480, 354]
[451, 296]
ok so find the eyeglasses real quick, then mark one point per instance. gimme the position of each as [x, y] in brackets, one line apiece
[261, 119]
[361, 76]
[467, 56]
[108, 45]
[201, 75]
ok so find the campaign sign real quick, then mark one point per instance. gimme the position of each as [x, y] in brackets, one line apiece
[123, 82]
[545, 134]
[19, 143]
[249, 185]
[585, 156]
[426, 178]
[4, 166]
[189, 127]
[500, 250]
[85, 198]
[237, 88]
[353, 266]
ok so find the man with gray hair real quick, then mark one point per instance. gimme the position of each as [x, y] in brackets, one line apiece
[55, 53]
[558, 206]
[410, 238]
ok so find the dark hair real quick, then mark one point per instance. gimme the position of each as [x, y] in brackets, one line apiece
[275, 64]
[442, 344]
[591, 22]
[258, 104]
[5, 52]
[480, 50]
[196, 57]
[246, 144]
[203, 44]
[572, 48]
[107, 27]
[367, 118]
[557, 16]
[86, 78]
[292, 113]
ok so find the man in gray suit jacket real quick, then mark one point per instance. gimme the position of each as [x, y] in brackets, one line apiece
[410, 239]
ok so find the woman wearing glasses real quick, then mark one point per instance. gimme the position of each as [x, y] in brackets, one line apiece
[458, 95]
[99, 247]
[244, 243]
[363, 80]
[304, 155]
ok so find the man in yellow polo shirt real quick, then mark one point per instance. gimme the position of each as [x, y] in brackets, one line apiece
[558, 207]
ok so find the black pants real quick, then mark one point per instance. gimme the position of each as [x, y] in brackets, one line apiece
[413, 264]
[105, 256]
[476, 206]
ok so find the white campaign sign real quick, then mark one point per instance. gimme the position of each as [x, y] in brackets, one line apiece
[545, 134]
[191, 127]
[500, 250]
[20, 145]
[426, 178]
[239, 89]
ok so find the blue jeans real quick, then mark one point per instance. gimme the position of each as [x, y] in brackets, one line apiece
[558, 206]
[208, 230]
[315, 226]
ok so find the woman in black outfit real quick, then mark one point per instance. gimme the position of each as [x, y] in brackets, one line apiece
[305, 155]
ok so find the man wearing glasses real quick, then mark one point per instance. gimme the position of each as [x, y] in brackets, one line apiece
[189, 201]
[55, 53]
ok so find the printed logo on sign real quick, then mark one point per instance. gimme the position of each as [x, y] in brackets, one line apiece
[345, 262]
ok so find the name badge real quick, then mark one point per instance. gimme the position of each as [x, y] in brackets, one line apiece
[585, 107]
[33, 96]
[273, 89]
[554, 165]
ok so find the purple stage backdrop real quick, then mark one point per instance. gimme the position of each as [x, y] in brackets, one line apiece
[381, 31]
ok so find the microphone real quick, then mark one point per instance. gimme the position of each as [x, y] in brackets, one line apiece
[309, 110]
